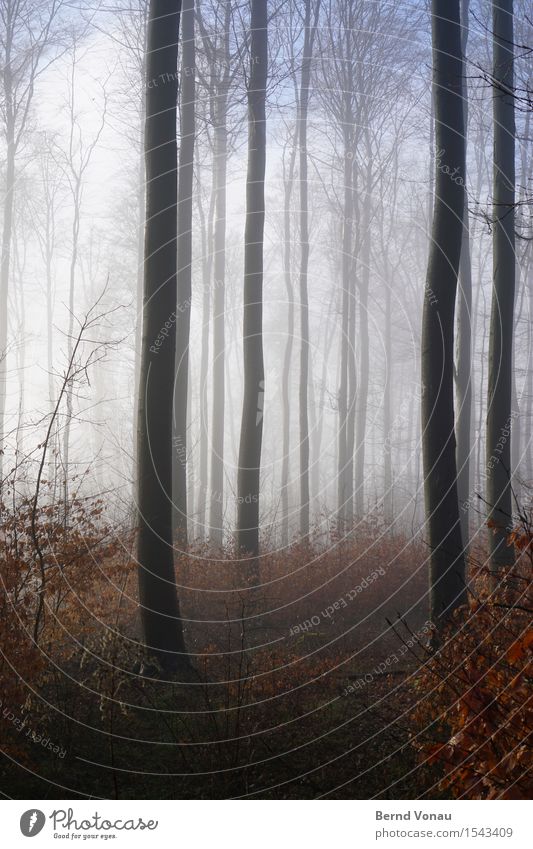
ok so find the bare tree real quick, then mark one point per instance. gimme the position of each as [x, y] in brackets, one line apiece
[310, 26]
[447, 572]
[183, 316]
[216, 26]
[27, 32]
[464, 333]
[160, 612]
[254, 375]
[499, 412]
[74, 161]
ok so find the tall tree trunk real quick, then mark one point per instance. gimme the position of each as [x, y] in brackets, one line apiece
[219, 259]
[309, 33]
[141, 199]
[70, 338]
[206, 230]
[464, 337]
[318, 428]
[7, 229]
[248, 479]
[387, 407]
[352, 367]
[447, 571]
[499, 413]
[160, 612]
[364, 341]
[183, 315]
[345, 462]
[287, 357]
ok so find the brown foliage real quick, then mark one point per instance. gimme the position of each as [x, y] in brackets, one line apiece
[476, 688]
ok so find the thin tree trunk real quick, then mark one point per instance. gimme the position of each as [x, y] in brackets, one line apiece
[248, 480]
[7, 229]
[160, 613]
[309, 33]
[141, 199]
[217, 428]
[499, 418]
[287, 358]
[387, 407]
[447, 571]
[464, 337]
[206, 230]
[70, 340]
[183, 315]
[364, 341]
[345, 467]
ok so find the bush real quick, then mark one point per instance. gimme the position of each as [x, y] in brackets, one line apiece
[475, 689]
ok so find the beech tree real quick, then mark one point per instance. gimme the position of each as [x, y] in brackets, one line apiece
[27, 31]
[500, 367]
[310, 26]
[160, 612]
[464, 331]
[183, 314]
[447, 569]
[248, 478]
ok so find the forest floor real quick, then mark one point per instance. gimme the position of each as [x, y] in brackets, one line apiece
[305, 691]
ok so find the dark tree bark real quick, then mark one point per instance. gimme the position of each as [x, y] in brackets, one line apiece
[345, 454]
[464, 337]
[309, 34]
[287, 357]
[160, 613]
[220, 161]
[363, 382]
[499, 412]
[447, 572]
[248, 478]
[207, 263]
[183, 314]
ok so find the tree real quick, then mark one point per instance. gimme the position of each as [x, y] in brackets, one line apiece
[160, 612]
[216, 24]
[499, 412]
[464, 334]
[183, 315]
[248, 477]
[132, 21]
[74, 161]
[288, 183]
[303, 108]
[340, 103]
[447, 571]
[27, 31]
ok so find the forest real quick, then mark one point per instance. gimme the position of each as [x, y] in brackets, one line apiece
[266, 399]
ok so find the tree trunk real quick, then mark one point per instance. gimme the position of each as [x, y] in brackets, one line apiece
[447, 571]
[499, 413]
[4, 279]
[183, 315]
[141, 198]
[362, 386]
[248, 478]
[345, 462]
[387, 407]
[207, 263]
[285, 380]
[219, 260]
[464, 338]
[70, 339]
[309, 32]
[160, 612]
